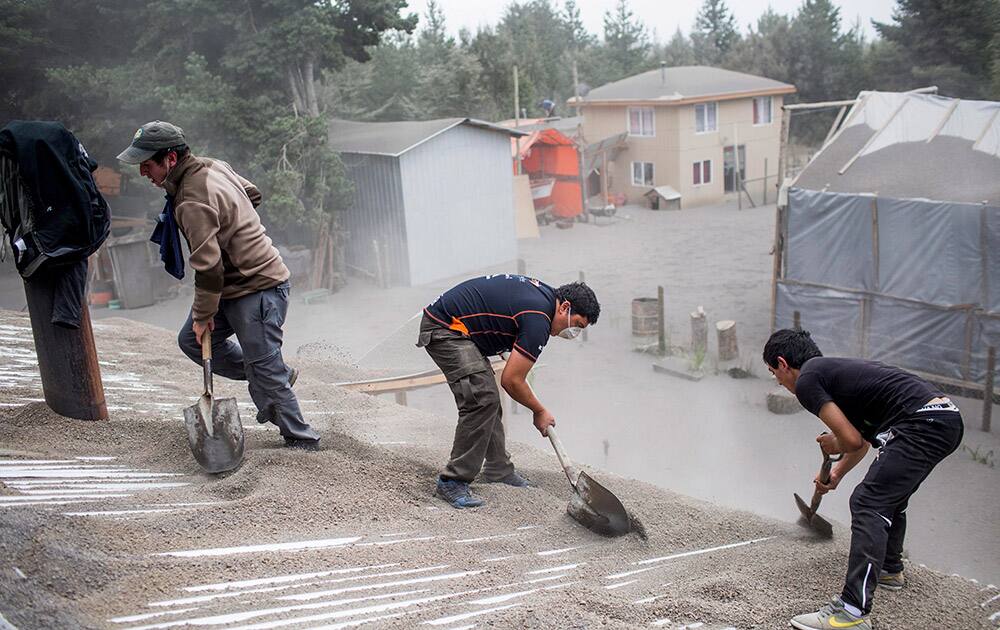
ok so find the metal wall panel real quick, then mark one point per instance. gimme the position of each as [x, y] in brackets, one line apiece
[376, 215]
[459, 193]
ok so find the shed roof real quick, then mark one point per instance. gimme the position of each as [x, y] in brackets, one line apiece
[684, 84]
[912, 146]
[396, 138]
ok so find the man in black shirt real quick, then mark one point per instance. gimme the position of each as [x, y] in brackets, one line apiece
[480, 318]
[913, 425]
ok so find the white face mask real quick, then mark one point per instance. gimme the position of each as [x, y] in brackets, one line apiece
[570, 332]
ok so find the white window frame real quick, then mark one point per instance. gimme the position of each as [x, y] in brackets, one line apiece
[756, 105]
[702, 119]
[652, 174]
[701, 173]
[643, 132]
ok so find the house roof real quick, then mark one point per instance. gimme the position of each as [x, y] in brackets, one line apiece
[684, 84]
[912, 146]
[396, 138]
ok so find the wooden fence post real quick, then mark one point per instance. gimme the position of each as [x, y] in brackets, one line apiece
[662, 324]
[991, 359]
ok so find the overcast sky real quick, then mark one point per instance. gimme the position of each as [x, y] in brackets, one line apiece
[660, 16]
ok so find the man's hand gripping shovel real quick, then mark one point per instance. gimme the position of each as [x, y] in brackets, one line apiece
[809, 517]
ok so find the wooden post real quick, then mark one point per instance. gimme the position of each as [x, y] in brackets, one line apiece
[699, 332]
[517, 118]
[67, 358]
[736, 172]
[728, 348]
[786, 122]
[991, 359]
[765, 182]
[584, 335]
[796, 320]
[662, 321]
[776, 265]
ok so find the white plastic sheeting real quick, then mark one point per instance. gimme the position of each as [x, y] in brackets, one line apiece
[907, 117]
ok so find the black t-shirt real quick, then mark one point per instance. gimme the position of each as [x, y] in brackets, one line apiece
[871, 394]
[500, 313]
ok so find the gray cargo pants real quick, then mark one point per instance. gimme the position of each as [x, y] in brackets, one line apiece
[479, 436]
[255, 357]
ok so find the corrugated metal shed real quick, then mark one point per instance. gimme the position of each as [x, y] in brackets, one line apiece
[433, 198]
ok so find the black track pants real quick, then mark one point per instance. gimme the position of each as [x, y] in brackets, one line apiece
[911, 448]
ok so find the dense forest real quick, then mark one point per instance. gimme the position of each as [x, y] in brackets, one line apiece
[253, 81]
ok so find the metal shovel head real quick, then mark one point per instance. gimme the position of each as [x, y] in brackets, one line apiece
[215, 433]
[812, 520]
[597, 509]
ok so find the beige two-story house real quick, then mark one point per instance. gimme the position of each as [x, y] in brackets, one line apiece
[688, 128]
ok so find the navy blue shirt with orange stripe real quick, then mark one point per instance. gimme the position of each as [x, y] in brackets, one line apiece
[500, 313]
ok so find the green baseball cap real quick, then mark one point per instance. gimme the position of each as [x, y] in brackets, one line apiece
[150, 138]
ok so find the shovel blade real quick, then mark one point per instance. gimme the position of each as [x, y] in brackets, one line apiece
[215, 433]
[813, 521]
[598, 509]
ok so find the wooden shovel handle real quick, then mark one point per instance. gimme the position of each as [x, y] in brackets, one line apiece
[206, 345]
[563, 457]
[824, 477]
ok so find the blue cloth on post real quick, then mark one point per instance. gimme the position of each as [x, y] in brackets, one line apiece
[167, 235]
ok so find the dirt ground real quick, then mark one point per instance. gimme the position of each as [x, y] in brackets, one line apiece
[351, 535]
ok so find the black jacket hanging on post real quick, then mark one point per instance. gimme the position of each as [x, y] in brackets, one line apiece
[61, 218]
[50, 208]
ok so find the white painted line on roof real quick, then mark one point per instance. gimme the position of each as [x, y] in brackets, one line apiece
[111, 487]
[691, 626]
[468, 627]
[548, 578]
[349, 589]
[484, 538]
[397, 534]
[524, 527]
[660, 622]
[500, 559]
[564, 567]
[199, 599]
[17, 500]
[21, 462]
[96, 458]
[123, 512]
[245, 615]
[499, 599]
[283, 579]
[351, 612]
[153, 615]
[612, 587]
[446, 620]
[989, 587]
[552, 552]
[382, 543]
[616, 576]
[95, 473]
[362, 622]
[31, 503]
[301, 545]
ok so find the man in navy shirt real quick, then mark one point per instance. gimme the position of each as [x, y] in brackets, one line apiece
[913, 425]
[484, 317]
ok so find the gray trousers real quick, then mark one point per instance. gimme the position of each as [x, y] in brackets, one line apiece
[255, 356]
[480, 443]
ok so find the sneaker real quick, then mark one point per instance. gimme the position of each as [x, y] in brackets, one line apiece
[456, 493]
[831, 617]
[306, 445]
[513, 479]
[891, 581]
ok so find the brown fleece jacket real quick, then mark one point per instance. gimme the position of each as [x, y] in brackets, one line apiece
[231, 254]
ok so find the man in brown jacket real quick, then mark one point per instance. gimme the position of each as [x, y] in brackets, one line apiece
[241, 283]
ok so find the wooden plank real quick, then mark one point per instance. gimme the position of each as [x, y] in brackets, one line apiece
[873, 137]
[944, 119]
[407, 382]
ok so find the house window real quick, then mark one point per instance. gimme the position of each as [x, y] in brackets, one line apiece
[762, 110]
[640, 121]
[706, 117]
[642, 173]
[702, 172]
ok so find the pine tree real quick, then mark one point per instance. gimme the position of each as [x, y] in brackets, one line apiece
[715, 32]
[626, 43]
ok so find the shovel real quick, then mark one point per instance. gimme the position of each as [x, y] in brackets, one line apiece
[213, 426]
[809, 517]
[593, 505]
